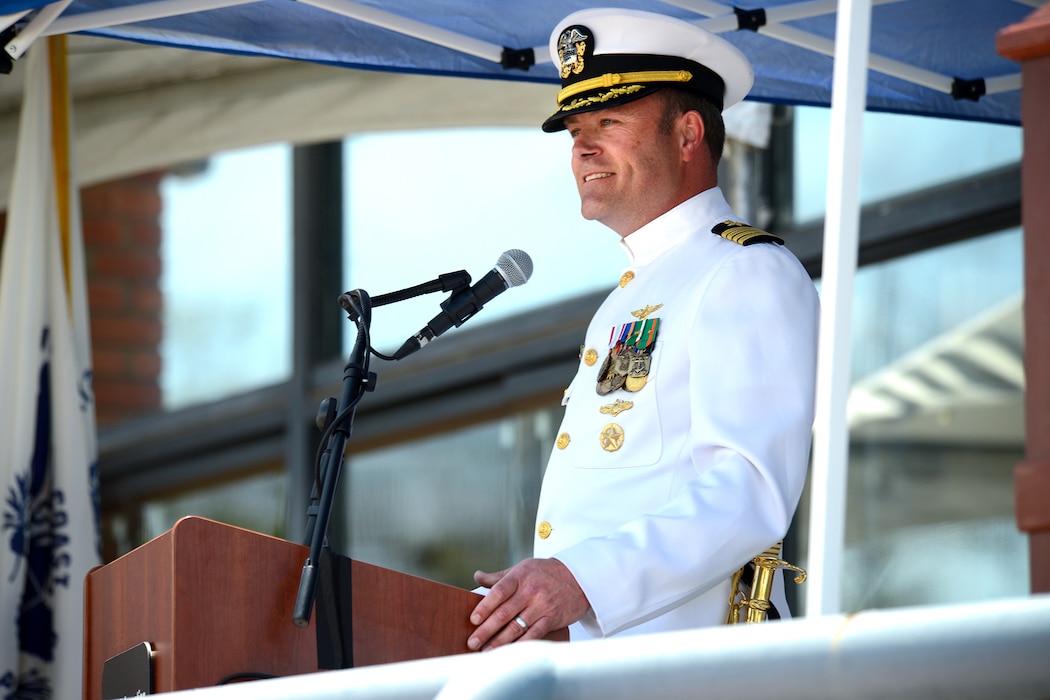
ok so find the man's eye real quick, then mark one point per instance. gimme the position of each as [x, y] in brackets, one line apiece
[607, 122]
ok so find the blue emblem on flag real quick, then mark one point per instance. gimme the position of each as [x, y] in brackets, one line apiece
[35, 522]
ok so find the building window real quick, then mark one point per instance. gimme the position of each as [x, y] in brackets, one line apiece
[226, 276]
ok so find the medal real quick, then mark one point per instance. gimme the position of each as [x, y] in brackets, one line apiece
[604, 385]
[621, 364]
[638, 371]
[630, 355]
[641, 358]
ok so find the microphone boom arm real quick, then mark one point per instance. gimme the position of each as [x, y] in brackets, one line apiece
[448, 282]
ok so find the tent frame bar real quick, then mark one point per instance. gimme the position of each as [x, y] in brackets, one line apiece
[43, 19]
[131, 14]
[9, 20]
[722, 18]
[410, 27]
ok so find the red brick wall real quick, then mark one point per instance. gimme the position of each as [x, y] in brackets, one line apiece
[122, 237]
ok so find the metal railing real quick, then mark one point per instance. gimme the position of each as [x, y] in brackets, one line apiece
[997, 650]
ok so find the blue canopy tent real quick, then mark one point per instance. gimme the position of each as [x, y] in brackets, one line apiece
[921, 57]
[929, 57]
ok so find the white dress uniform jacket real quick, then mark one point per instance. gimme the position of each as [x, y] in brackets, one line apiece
[654, 498]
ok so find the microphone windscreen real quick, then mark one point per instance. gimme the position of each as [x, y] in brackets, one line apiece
[515, 266]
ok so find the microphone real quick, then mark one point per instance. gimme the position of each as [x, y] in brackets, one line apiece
[513, 269]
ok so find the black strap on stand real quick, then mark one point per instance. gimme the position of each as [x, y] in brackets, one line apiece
[335, 639]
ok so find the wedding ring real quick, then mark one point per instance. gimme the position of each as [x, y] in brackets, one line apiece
[521, 623]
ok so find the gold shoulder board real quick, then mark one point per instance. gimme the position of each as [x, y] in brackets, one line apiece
[744, 234]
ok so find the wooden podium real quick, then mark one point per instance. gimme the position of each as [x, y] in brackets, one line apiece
[215, 603]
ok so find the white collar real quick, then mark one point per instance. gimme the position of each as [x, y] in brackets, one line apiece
[669, 229]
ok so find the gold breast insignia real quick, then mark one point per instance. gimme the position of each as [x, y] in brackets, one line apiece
[611, 437]
[642, 314]
[615, 409]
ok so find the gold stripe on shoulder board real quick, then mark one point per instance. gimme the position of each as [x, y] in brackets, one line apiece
[743, 234]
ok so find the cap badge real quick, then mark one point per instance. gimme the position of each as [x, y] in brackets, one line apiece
[572, 44]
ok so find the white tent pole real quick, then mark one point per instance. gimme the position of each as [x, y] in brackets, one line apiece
[410, 27]
[41, 21]
[130, 14]
[841, 235]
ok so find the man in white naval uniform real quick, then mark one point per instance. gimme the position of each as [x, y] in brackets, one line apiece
[686, 435]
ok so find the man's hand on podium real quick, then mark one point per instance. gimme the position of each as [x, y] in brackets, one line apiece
[527, 601]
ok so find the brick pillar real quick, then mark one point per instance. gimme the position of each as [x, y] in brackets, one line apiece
[122, 236]
[1029, 43]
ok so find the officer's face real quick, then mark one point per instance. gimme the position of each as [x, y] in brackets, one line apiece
[627, 171]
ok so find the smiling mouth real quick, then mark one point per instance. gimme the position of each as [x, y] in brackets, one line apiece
[595, 176]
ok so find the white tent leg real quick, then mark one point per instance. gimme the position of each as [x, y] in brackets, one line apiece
[841, 229]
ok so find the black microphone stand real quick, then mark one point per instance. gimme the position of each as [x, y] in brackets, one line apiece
[339, 423]
[336, 424]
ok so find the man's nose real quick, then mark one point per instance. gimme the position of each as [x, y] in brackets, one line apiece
[585, 146]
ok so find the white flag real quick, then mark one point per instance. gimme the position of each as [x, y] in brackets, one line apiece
[48, 450]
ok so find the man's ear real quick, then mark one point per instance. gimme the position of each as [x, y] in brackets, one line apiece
[691, 135]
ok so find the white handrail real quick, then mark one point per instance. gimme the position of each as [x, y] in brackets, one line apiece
[996, 649]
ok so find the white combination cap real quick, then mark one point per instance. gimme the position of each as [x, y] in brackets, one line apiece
[609, 57]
